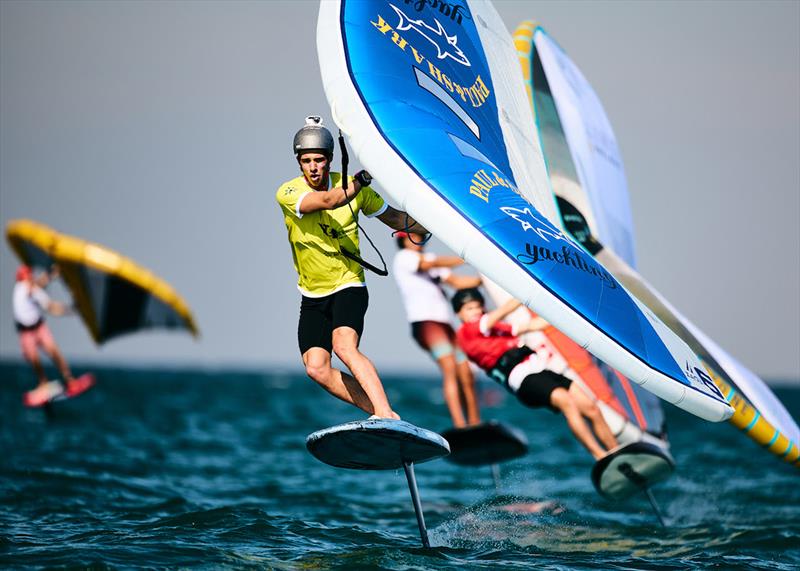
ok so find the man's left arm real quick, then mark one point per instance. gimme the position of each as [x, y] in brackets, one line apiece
[535, 324]
[399, 220]
[491, 318]
[58, 309]
[462, 282]
[44, 302]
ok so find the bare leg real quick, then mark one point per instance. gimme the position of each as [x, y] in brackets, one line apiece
[466, 381]
[591, 411]
[29, 344]
[45, 339]
[452, 396]
[36, 363]
[562, 400]
[61, 363]
[341, 385]
[345, 345]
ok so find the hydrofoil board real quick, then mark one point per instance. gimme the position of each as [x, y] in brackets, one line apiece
[54, 391]
[376, 444]
[485, 444]
[631, 469]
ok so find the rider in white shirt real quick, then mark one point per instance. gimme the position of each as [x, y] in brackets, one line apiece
[31, 303]
[419, 277]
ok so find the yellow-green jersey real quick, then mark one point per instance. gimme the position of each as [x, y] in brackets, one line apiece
[317, 238]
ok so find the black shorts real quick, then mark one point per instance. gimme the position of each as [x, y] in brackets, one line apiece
[319, 316]
[535, 390]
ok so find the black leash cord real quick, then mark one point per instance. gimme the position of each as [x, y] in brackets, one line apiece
[408, 234]
[346, 253]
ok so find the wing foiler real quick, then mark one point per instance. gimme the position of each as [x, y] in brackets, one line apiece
[112, 294]
[434, 103]
[585, 168]
[631, 413]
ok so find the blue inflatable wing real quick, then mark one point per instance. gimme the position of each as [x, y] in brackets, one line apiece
[432, 98]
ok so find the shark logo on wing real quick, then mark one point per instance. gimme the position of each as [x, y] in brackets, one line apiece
[434, 35]
[530, 221]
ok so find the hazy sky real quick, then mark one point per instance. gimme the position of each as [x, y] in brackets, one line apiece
[162, 130]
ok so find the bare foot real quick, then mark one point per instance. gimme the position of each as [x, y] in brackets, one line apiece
[394, 416]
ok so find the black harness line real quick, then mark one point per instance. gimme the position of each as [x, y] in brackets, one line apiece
[351, 255]
[344, 251]
[408, 234]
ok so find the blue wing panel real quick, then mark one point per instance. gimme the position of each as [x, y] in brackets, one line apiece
[423, 76]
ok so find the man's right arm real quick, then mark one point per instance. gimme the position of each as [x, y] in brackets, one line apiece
[330, 199]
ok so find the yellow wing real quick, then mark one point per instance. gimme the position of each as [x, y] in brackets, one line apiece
[113, 294]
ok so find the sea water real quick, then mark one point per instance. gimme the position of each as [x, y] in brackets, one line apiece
[208, 469]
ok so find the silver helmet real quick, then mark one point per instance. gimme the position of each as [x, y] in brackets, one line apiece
[313, 137]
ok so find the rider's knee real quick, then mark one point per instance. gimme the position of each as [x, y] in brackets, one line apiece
[317, 372]
[53, 353]
[448, 365]
[561, 400]
[593, 412]
[344, 349]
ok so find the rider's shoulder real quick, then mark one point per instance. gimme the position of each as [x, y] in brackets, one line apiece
[290, 187]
